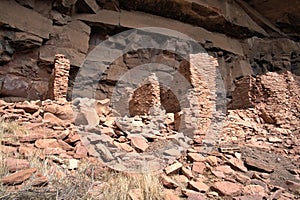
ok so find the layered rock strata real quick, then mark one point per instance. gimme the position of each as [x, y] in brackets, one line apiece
[244, 39]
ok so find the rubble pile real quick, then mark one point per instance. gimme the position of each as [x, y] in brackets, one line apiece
[270, 116]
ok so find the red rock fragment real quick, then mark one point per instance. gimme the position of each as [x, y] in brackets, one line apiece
[14, 164]
[227, 188]
[18, 177]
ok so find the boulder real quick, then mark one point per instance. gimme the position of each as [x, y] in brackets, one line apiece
[64, 6]
[199, 167]
[198, 186]
[46, 143]
[168, 182]
[169, 195]
[102, 107]
[28, 107]
[19, 86]
[88, 117]
[39, 180]
[173, 168]
[13, 85]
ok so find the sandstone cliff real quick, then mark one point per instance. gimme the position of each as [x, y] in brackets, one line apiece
[246, 37]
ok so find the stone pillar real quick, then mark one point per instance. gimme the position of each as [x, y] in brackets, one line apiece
[58, 85]
[212, 100]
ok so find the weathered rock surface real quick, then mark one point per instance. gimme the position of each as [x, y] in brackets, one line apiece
[39, 25]
[201, 13]
[287, 21]
[241, 35]
[70, 40]
[227, 188]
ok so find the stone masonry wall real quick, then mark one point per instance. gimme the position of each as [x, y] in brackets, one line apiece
[146, 97]
[197, 117]
[58, 86]
[274, 96]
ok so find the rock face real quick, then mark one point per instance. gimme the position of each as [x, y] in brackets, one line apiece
[284, 15]
[245, 37]
[203, 13]
[39, 26]
[70, 40]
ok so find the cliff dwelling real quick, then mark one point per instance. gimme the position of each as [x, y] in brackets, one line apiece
[150, 99]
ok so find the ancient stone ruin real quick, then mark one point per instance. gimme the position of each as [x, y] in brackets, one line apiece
[204, 95]
[146, 98]
[58, 85]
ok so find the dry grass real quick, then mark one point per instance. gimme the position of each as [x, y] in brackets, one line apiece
[8, 132]
[3, 172]
[6, 128]
[3, 168]
[119, 184]
[9, 127]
